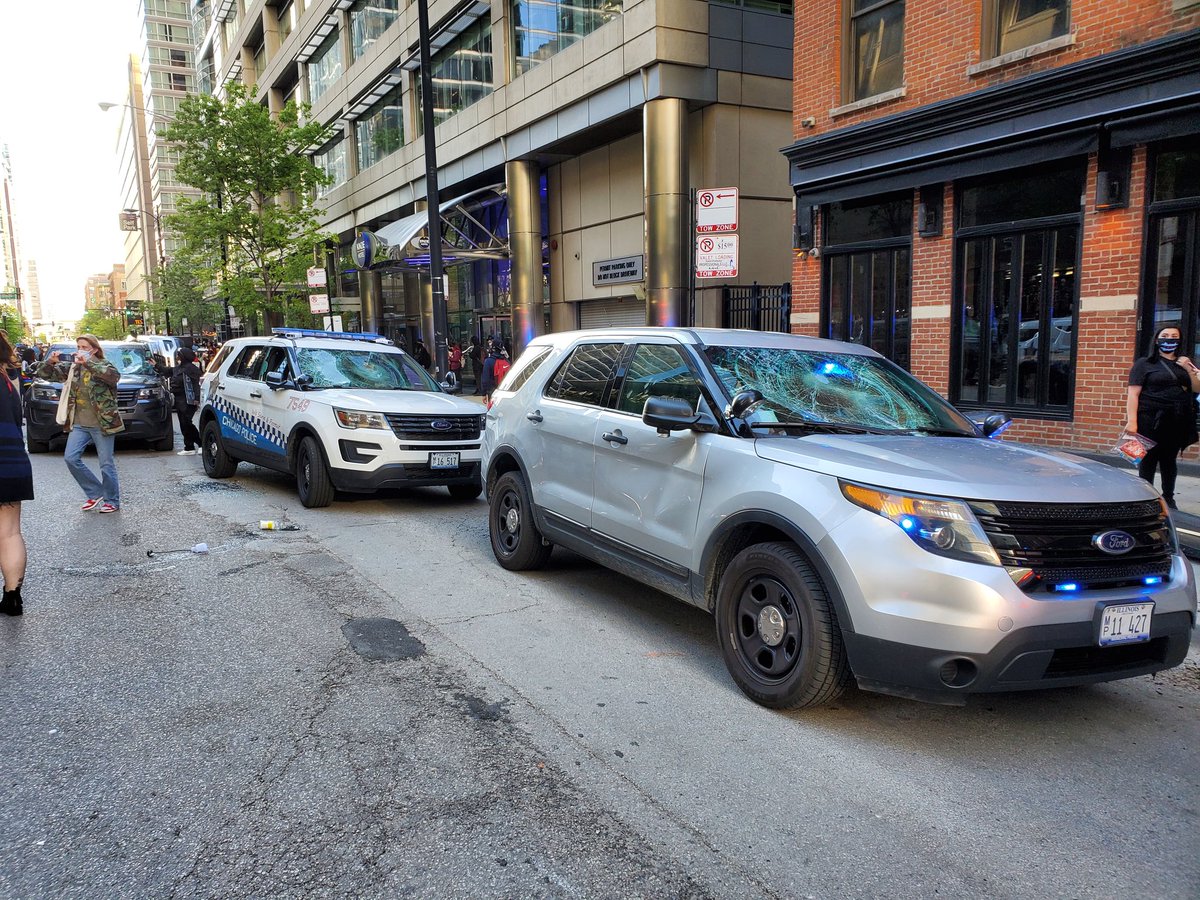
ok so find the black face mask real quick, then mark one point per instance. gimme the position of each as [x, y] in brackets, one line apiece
[1168, 346]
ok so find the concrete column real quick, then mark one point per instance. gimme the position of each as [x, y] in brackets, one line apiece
[525, 250]
[667, 195]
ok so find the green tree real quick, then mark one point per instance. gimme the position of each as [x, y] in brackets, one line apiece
[178, 289]
[10, 320]
[255, 229]
[106, 325]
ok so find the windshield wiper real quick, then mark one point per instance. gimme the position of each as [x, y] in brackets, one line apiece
[940, 432]
[831, 427]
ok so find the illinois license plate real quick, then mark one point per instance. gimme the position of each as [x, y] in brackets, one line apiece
[443, 460]
[1125, 624]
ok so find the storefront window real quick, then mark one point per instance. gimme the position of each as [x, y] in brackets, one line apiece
[1016, 311]
[1172, 281]
[868, 274]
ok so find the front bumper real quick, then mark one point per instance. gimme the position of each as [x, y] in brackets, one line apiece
[149, 420]
[401, 475]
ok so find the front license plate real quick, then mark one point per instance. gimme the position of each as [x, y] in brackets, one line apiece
[444, 460]
[1125, 624]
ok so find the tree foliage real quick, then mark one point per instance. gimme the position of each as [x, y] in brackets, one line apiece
[255, 228]
[108, 326]
[179, 288]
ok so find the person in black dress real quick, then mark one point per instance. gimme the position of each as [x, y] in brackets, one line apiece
[16, 485]
[1162, 406]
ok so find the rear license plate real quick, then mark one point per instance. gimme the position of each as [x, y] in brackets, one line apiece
[1125, 624]
[443, 460]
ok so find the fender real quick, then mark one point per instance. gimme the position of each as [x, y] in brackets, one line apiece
[751, 517]
[490, 475]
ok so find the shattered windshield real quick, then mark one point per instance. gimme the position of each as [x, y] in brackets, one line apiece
[803, 387]
[370, 370]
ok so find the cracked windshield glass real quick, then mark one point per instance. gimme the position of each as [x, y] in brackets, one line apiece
[364, 370]
[807, 388]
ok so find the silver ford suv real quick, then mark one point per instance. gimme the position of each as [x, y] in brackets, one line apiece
[837, 516]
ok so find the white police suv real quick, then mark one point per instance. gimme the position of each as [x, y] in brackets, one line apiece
[342, 411]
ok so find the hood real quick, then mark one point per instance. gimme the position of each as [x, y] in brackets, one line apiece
[970, 468]
[417, 403]
[129, 381]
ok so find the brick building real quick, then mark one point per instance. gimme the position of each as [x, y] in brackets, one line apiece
[1001, 195]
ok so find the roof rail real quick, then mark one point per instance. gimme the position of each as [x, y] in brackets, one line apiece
[339, 335]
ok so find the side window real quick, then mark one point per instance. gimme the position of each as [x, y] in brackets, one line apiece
[584, 377]
[529, 363]
[657, 370]
[219, 359]
[276, 361]
[247, 365]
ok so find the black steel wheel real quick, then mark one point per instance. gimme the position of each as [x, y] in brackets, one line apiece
[312, 475]
[217, 463]
[777, 629]
[516, 541]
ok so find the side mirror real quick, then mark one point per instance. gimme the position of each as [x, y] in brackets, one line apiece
[669, 414]
[303, 381]
[742, 403]
[995, 424]
[275, 380]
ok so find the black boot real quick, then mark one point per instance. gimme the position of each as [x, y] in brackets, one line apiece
[1170, 498]
[10, 605]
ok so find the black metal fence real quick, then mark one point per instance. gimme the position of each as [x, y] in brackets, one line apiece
[757, 307]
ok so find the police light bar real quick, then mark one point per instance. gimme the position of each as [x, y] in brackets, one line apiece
[339, 335]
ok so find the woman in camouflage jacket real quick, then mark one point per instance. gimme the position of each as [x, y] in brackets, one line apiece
[92, 418]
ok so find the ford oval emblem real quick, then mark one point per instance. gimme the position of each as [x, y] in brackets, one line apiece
[1113, 543]
[441, 425]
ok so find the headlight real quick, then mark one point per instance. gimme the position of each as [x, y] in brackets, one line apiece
[45, 392]
[349, 418]
[483, 423]
[945, 527]
[149, 393]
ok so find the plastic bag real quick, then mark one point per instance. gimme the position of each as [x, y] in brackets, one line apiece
[1133, 447]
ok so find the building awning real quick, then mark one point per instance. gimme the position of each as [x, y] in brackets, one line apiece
[465, 237]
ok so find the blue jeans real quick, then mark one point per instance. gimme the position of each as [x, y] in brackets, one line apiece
[77, 441]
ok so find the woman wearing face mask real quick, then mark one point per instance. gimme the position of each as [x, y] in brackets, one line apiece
[1162, 406]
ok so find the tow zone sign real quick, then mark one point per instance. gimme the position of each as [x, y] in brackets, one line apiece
[716, 210]
[717, 256]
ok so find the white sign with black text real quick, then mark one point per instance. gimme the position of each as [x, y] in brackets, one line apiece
[716, 256]
[318, 304]
[716, 210]
[617, 271]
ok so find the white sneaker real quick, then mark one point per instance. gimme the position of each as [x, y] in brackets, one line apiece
[187, 453]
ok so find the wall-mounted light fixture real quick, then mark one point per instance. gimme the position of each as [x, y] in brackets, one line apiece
[1113, 166]
[929, 211]
[804, 229]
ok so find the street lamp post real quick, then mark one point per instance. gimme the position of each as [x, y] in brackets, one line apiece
[437, 282]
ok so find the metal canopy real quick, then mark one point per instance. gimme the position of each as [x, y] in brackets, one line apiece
[465, 237]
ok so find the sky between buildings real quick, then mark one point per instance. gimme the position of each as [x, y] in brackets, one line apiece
[57, 62]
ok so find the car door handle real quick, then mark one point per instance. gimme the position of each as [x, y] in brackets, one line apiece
[614, 437]
[256, 394]
[534, 416]
[220, 387]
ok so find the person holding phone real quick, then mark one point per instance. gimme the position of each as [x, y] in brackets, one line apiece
[92, 418]
[1161, 405]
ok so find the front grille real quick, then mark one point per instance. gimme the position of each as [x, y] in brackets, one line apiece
[421, 428]
[126, 399]
[1104, 660]
[1055, 541]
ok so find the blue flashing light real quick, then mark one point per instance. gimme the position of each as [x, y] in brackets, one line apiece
[339, 335]
[834, 370]
[908, 523]
[1152, 579]
[1068, 587]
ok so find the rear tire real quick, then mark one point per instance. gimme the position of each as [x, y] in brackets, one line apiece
[312, 475]
[516, 541]
[777, 630]
[465, 491]
[166, 442]
[217, 463]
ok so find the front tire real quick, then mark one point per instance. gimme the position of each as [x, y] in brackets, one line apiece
[217, 463]
[516, 541]
[777, 630]
[312, 475]
[166, 442]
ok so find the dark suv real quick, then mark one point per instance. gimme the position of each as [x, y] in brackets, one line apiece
[142, 398]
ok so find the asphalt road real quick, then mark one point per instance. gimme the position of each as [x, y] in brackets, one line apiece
[370, 707]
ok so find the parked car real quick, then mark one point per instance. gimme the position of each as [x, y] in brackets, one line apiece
[837, 516]
[164, 345]
[349, 412]
[143, 399]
